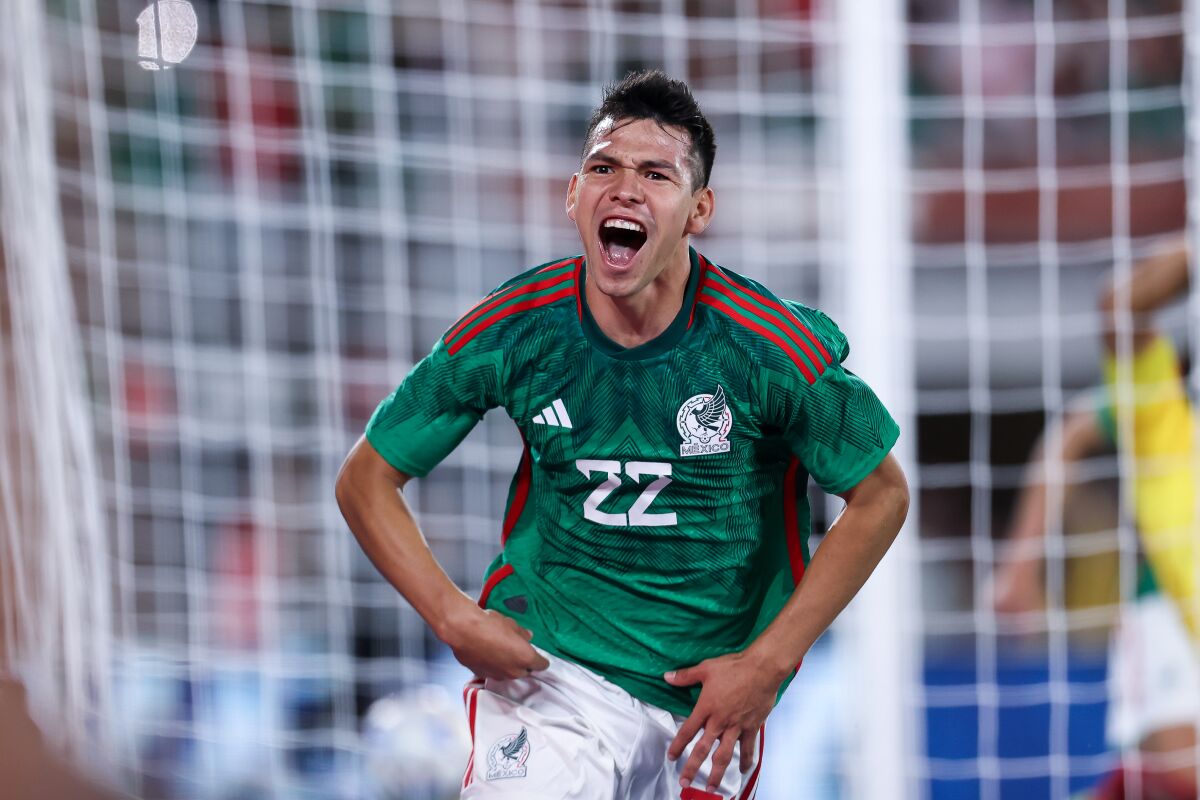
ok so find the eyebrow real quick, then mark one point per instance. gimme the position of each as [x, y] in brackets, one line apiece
[655, 164]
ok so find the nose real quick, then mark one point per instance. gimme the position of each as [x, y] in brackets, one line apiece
[626, 187]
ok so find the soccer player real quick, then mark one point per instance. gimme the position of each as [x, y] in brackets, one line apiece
[646, 609]
[1154, 678]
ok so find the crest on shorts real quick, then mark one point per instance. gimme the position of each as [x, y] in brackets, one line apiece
[507, 757]
[704, 422]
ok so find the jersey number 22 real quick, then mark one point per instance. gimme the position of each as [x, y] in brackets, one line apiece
[638, 515]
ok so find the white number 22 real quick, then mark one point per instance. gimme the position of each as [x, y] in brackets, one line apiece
[638, 515]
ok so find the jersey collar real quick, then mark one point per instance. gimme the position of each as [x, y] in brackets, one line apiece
[659, 344]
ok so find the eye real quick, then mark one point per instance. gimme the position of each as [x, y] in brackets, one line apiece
[656, 176]
[601, 169]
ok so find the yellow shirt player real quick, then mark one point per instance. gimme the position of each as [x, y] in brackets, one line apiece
[1154, 680]
[1155, 426]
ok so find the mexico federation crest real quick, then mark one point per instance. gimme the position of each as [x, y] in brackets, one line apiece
[507, 757]
[704, 422]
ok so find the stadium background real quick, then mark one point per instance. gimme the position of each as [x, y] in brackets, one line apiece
[261, 240]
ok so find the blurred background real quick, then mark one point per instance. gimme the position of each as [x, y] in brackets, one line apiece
[259, 241]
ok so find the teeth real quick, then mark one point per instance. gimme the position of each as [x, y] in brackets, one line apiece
[624, 224]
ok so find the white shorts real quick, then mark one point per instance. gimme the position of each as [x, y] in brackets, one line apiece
[565, 733]
[1153, 677]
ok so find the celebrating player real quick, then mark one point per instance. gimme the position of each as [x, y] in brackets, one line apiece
[646, 610]
[1154, 677]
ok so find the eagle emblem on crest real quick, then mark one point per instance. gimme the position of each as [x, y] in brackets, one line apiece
[507, 757]
[704, 422]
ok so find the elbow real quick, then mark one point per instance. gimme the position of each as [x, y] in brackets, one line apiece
[899, 501]
[364, 476]
[343, 486]
[894, 496]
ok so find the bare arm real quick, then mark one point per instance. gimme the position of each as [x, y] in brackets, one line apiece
[1153, 283]
[1018, 585]
[875, 510]
[370, 497]
[739, 689]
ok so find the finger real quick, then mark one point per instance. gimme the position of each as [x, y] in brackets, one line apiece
[515, 626]
[684, 677]
[696, 760]
[748, 742]
[538, 661]
[683, 737]
[721, 759]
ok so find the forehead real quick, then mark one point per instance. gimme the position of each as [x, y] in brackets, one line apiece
[642, 139]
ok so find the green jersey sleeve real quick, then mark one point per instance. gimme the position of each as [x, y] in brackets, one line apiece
[435, 407]
[835, 425]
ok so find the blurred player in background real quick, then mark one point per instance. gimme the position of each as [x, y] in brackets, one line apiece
[646, 611]
[1153, 675]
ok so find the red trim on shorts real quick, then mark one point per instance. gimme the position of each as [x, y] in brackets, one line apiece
[491, 583]
[470, 695]
[748, 792]
[692, 793]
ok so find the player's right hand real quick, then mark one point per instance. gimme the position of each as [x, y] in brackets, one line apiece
[492, 645]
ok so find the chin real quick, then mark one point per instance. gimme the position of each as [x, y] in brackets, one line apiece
[615, 287]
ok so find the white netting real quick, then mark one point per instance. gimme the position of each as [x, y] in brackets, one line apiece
[1048, 153]
[265, 236]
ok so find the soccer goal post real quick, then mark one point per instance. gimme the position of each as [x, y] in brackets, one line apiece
[869, 284]
[54, 581]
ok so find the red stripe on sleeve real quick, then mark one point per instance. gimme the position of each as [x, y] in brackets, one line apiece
[783, 309]
[505, 291]
[737, 316]
[791, 335]
[523, 305]
[504, 297]
[477, 309]
[492, 582]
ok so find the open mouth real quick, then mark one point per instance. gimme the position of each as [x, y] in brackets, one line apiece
[621, 239]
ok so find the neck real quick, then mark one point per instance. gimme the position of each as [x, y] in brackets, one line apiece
[642, 316]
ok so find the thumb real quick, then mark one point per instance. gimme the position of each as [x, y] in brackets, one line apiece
[684, 677]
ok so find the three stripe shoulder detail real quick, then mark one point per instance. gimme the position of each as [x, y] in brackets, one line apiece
[541, 287]
[767, 317]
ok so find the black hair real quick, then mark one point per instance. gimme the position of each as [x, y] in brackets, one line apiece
[651, 94]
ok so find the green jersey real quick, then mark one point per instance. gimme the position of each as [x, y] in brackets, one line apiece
[659, 515]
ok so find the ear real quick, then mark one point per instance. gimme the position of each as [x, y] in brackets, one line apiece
[572, 196]
[703, 206]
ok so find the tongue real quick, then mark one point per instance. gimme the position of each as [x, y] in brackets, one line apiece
[619, 255]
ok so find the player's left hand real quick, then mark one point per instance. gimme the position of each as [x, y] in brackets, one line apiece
[736, 696]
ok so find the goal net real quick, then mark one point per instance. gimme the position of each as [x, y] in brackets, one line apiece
[266, 230]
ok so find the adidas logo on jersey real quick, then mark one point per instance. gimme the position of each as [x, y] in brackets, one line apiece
[554, 414]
